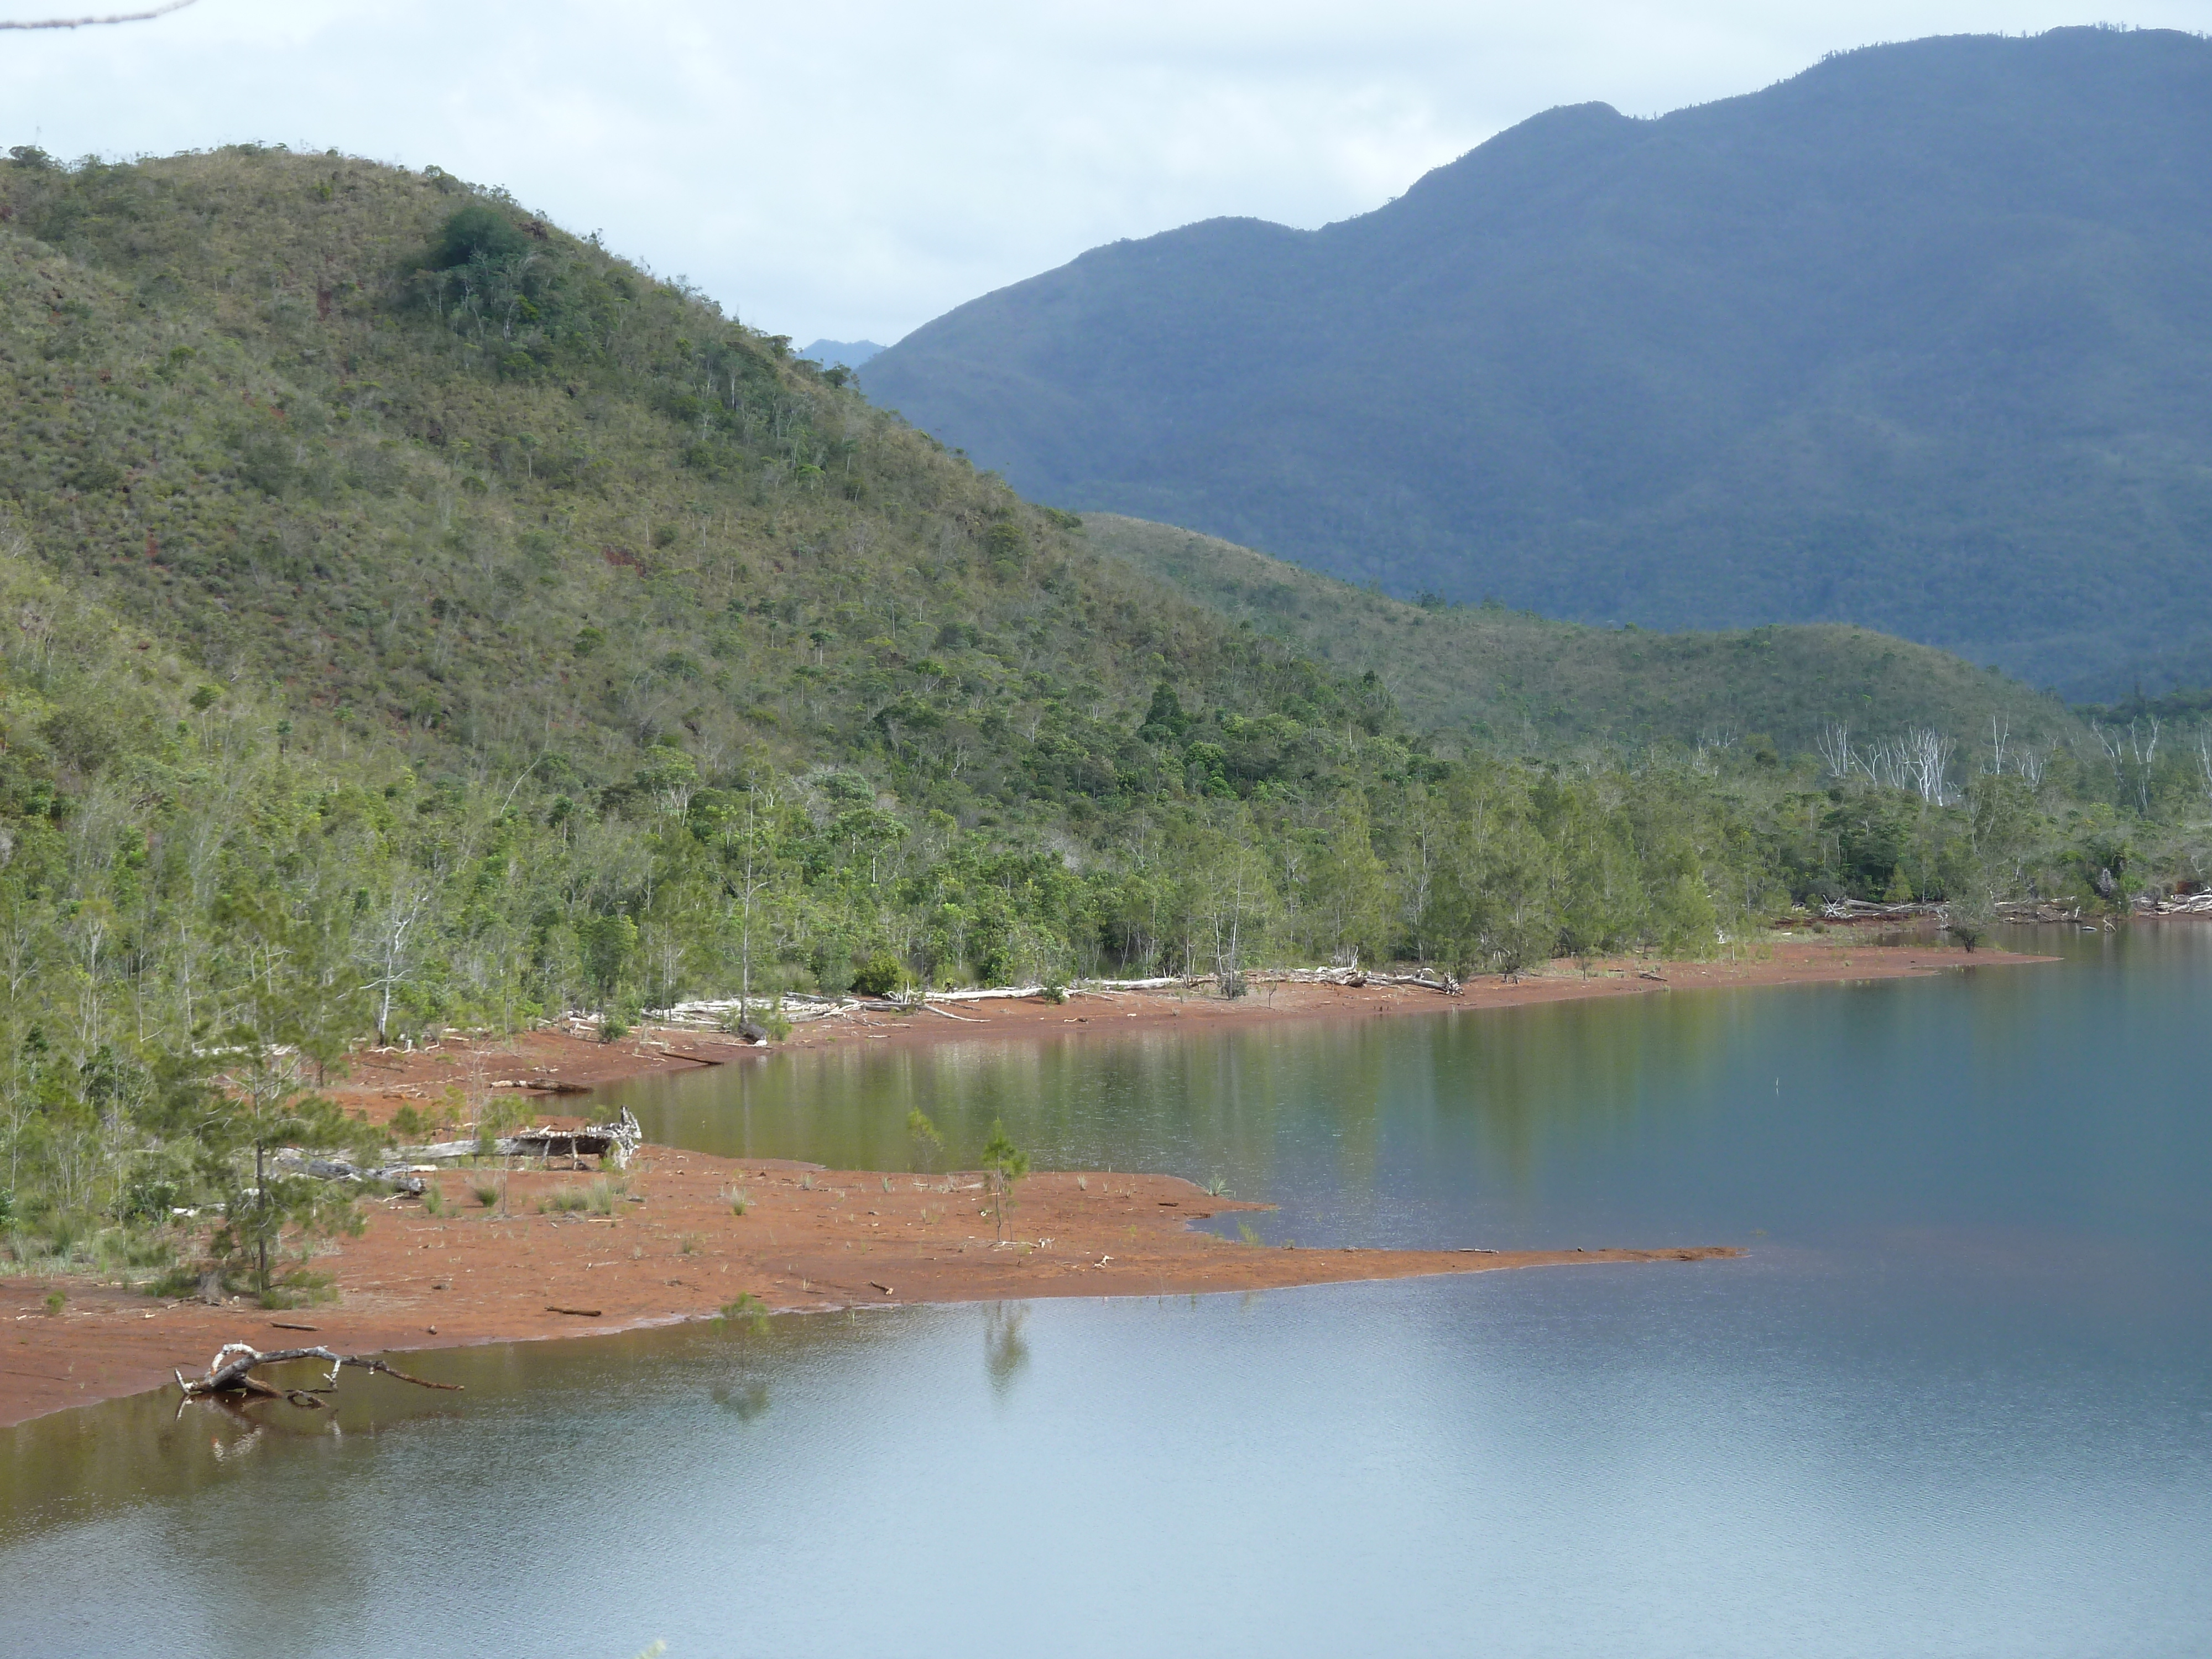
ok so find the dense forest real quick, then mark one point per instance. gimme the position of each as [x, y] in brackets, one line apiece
[1500, 678]
[1915, 340]
[414, 617]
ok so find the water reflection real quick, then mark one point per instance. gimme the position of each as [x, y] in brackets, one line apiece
[1321, 1098]
[1005, 1353]
[1956, 1401]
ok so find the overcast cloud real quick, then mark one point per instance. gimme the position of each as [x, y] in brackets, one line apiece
[852, 167]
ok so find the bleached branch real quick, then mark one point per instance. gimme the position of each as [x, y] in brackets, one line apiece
[98, 22]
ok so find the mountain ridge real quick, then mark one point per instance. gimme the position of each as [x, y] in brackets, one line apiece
[1912, 340]
[1502, 678]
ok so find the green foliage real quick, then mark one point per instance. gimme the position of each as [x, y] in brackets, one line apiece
[1598, 367]
[747, 1310]
[477, 234]
[298, 753]
[1510, 678]
[928, 1143]
[1005, 1164]
[878, 976]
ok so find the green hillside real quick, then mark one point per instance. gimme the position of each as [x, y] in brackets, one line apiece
[413, 617]
[510, 498]
[1507, 678]
[1920, 339]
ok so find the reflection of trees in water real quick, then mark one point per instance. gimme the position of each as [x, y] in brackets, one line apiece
[1327, 1098]
[1580, 1071]
[1005, 1353]
[745, 1403]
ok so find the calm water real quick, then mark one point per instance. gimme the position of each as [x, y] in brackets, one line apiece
[1957, 1401]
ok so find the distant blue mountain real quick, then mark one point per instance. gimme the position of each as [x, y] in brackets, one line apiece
[851, 353]
[1920, 339]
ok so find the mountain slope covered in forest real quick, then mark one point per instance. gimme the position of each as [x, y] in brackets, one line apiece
[1919, 340]
[413, 617]
[1501, 677]
[444, 475]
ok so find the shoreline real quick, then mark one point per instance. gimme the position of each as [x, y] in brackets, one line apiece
[383, 1081]
[564, 1254]
[661, 1244]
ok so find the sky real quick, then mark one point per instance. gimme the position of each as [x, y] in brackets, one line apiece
[851, 168]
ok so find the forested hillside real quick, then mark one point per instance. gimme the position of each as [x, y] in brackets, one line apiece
[1920, 340]
[412, 616]
[1507, 678]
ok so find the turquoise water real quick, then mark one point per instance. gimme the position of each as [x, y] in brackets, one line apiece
[1956, 1401]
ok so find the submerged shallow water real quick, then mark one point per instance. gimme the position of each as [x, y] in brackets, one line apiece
[1957, 1400]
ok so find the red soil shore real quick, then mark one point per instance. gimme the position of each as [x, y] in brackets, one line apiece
[668, 1245]
[381, 1082]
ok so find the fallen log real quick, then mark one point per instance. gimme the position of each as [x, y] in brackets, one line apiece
[616, 1141]
[231, 1372]
[397, 1176]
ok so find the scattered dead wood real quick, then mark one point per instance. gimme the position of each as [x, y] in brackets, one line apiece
[580, 1313]
[2193, 904]
[614, 1142]
[230, 1374]
[1866, 910]
[2037, 910]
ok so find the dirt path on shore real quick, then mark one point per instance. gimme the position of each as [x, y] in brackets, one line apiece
[557, 1254]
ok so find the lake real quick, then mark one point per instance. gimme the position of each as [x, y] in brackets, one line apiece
[1957, 1400]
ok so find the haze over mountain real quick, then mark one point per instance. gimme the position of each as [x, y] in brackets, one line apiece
[1918, 339]
[851, 353]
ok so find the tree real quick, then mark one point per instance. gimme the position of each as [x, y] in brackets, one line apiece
[1496, 876]
[1006, 1165]
[749, 869]
[290, 1013]
[391, 943]
[609, 942]
[1351, 889]
[1968, 919]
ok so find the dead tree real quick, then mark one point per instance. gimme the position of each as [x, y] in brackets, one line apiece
[230, 1374]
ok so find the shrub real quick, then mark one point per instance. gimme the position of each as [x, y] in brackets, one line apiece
[477, 233]
[878, 976]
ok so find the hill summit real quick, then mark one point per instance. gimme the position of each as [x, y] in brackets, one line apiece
[1918, 340]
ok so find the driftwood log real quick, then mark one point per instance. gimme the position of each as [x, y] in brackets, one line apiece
[798, 1007]
[230, 1374]
[614, 1141]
